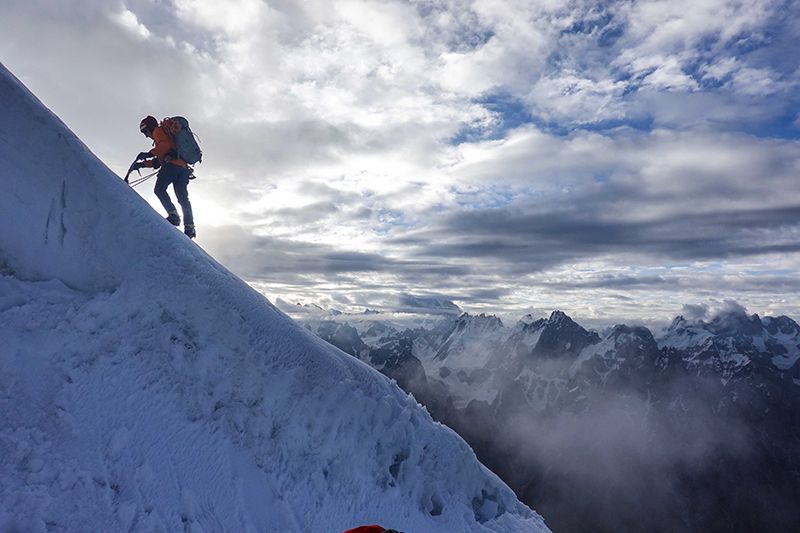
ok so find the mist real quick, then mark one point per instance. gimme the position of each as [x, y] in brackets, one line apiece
[618, 432]
[622, 463]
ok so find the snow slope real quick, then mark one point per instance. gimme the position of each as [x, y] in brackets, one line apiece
[143, 387]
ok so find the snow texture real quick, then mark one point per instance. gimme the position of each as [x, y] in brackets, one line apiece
[143, 387]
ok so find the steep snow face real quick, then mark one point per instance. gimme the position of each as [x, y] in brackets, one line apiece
[461, 359]
[144, 387]
[470, 338]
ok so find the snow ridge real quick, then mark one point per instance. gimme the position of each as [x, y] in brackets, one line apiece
[147, 388]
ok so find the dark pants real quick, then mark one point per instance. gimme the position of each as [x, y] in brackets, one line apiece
[179, 178]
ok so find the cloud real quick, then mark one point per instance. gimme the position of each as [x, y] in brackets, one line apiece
[565, 97]
[732, 307]
[500, 152]
[695, 311]
[621, 446]
[607, 281]
[429, 303]
[676, 196]
[127, 19]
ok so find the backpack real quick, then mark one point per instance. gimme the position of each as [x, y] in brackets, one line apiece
[185, 143]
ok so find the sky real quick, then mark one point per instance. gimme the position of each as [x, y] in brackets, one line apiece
[616, 160]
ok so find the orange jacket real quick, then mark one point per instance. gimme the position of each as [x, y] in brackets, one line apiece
[163, 145]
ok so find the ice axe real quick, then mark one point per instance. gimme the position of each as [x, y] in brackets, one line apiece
[141, 179]
[134, 166]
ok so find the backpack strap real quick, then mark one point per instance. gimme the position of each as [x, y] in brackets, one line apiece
[171, 127]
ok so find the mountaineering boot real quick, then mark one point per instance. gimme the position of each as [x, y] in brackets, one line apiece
[189, 231]
[174, 218]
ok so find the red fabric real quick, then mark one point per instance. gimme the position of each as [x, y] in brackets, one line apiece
[366, 529]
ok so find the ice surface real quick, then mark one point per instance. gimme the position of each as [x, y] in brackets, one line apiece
[143, 387]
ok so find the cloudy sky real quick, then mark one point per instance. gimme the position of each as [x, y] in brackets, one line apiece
[611, 159]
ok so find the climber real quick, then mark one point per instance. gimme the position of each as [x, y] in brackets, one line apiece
[173, 170]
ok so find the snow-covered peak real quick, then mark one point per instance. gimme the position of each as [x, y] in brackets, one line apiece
[732, 320]
[562, 337]
[731, 341]
[682, 334]
[735, 323]
[477, 323]
[623, 330]
[625, 346]
[471, 341]
[306, 311]
[470, 328]
[677, 323]
[145, 387]
[781, 325]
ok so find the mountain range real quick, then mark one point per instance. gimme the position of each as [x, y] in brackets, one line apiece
[695, 428]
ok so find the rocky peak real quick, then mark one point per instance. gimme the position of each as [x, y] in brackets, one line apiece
[735, 323]
[561, 335]
[378, 329]
[627, 358]
[634, 341]
[678, 325]
[470, 332]
[481, 322]
[528, 323]
[781, 325]
[342, 335]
